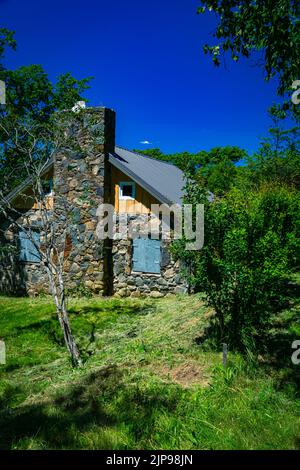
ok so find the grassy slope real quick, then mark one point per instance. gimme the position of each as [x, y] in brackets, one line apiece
[145, 384]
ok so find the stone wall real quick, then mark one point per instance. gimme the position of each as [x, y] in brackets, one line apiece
[128, 283]
[135, 284]
[17, 277]
[81, 183]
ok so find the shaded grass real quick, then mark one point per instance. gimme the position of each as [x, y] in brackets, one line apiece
[145, 383]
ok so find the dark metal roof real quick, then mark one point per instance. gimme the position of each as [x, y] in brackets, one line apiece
[161, 179]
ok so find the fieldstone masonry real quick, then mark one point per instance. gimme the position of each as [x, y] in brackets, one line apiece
[82, 178]
[135, 284]
[82, 181]
[128, 283]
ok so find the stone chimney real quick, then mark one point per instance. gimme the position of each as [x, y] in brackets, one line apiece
[81, 183]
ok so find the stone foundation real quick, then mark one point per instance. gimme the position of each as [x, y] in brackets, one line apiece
[127, 283]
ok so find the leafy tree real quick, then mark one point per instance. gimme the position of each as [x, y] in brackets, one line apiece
[260, 25]
[6, 40]
[217, 168]
[268, 26]
[184, 160]
[31, 100]
[153, 153]
[278, 157]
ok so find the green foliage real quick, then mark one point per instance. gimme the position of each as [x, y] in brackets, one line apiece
[251, 244]
[186, 161]
[270, 27]
[278, 158]
[215, 169]
[153, 153]
[267, 166]
[5, 251]
[68, 90]
[31, 101]
[6, 40]
[80, 291]
[219, 154]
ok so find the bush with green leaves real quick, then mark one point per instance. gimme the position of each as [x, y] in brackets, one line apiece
[251, 246]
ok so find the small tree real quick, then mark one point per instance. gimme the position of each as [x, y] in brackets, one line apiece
[52, 215]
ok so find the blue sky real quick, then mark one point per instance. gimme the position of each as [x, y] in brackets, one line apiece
[148, 65]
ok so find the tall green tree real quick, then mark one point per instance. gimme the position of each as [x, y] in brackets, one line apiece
[216, 169]
[271, 27]
[278, 158]
[31, 100]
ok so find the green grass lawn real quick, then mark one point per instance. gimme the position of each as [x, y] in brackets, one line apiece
[146, 382]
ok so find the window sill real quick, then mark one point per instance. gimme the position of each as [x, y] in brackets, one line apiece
[144, 272]
[29, 262]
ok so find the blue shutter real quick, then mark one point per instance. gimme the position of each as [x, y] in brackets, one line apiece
[152, 256]
[146, 255]
[28, 251]
[23, 246]
[138, 258]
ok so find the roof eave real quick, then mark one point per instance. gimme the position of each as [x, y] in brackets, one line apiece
[116, 162]
[26, 184]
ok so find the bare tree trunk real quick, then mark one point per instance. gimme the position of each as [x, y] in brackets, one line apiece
[37, 150]
[59, 300]
[69, 339]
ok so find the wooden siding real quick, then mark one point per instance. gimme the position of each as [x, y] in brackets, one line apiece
[27, 202]
[140, 205]
[142, 202]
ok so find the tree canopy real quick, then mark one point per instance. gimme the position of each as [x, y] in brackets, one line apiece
[215, 169]
[271, 27]
[31, 99]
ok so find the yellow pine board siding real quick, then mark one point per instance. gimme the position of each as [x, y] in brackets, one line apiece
[27, 202]
[142, 202]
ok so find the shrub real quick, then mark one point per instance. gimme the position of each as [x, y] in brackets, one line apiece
[251, 245]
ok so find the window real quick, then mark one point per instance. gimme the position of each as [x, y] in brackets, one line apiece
[28, 251]
[127, 190]
[146, 255]
[47, 186]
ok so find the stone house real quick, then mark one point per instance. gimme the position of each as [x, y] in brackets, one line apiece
[100, 172]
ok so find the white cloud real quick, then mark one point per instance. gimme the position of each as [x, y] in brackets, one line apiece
[145, 142]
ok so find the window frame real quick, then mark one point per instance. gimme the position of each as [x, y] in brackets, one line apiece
[127, 183]
[50, 193]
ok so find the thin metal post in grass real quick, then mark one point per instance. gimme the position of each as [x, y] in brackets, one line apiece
[225, 350]
[2, 352]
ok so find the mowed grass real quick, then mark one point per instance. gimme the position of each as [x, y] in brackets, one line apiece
[146, 382]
